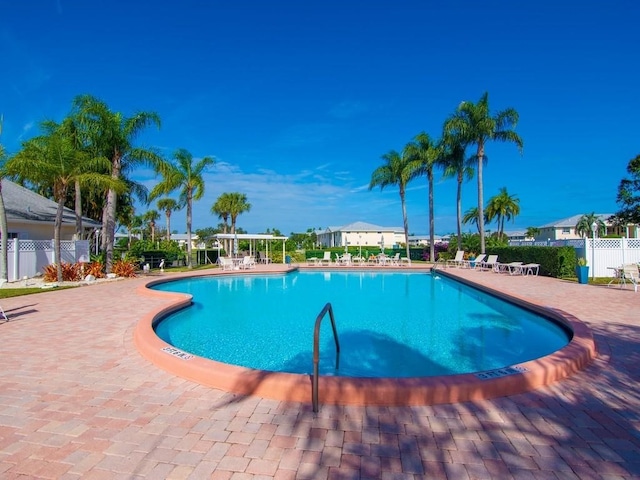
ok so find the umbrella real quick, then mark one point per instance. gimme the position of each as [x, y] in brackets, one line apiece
[235, 246]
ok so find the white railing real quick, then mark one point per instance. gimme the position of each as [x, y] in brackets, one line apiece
[28, 258]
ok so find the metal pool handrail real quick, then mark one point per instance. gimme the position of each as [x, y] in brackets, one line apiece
[316, 351]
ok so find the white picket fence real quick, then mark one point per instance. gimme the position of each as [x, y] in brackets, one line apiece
[28, 258]
[608, 253]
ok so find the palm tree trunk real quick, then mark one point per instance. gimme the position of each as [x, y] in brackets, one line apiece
[432, 247]
[189, 200]
[109, 219]
[4, 239]
[480, 196]
[405, 222]
[56, 238]
[459, 208]
[78, 206]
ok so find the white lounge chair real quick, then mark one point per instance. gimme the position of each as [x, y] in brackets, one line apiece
[491, 263]
[530, 269]
[395, 260]
[326, 259]
[475, 263]
[458, 261]
[345, 259]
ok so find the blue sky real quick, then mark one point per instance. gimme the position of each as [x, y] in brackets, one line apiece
[298, 100]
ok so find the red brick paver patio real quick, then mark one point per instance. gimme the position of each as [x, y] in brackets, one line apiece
[78, 401]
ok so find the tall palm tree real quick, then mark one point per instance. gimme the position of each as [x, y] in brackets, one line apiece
[397, 169]
[456, 165]
[53, 159]
[502, 207]
[472, 123]
[151, 217]
[168, 206]
[584, 225]
[185, 175]
[425, 155]
[3, 216]
[237, 205]
[111, 135]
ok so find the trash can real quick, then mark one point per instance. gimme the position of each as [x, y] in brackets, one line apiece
[287, 259]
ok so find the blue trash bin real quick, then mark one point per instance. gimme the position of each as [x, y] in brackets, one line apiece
[287, 260]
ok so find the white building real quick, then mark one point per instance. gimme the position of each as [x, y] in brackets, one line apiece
[361, 234]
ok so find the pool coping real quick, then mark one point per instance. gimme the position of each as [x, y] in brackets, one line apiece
[519, 378]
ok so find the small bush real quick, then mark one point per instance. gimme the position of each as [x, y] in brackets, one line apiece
[94, 268]
[124, 268]
[71, 272]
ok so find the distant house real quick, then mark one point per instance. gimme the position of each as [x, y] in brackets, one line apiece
[31, 216]
[182, 239]
[360, 234]
[565, 229]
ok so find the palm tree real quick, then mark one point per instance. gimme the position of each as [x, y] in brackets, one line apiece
[532, 232]
[397, 170]
[53, 159]
[237, 204]
[185, 175]
[425, 156]
[473, 124]
[456, 165]
[502, 207]
[584, 225]
[168, 205]
[471, 216]
[221, 209]
[111, 135]
[151, 217]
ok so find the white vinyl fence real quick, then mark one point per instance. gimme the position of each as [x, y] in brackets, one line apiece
[604, 257]
[27, 258]
[609, 253]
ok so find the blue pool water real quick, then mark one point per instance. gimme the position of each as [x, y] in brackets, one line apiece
[389, 324]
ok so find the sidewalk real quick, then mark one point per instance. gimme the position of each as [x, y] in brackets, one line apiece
[78, 401]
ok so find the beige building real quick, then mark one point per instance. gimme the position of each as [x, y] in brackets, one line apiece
[565, 229]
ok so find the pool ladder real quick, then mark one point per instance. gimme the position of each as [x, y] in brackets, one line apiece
[316, 351]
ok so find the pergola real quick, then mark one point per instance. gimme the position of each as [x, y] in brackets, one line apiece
[252, 237]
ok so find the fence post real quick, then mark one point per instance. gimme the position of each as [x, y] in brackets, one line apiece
[16, 259]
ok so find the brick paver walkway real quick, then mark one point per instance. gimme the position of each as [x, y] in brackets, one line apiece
[78, 401]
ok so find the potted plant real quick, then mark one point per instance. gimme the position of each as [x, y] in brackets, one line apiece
[582, 270]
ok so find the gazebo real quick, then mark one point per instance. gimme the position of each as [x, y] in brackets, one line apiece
[252, 237]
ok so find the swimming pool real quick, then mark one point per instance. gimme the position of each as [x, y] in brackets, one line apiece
[390, 324]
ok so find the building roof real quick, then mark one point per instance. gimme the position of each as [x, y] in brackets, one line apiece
[361, 227]
[24, 205]
[572, 221]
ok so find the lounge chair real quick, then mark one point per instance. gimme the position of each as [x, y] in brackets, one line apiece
[344, 259]
[475, 263]
[326, 259]
[513, 268]
[313, 261]
[458, 261]
[631, 274]
[395, 260]
[405, 261]
[491, 263]
[530, 269]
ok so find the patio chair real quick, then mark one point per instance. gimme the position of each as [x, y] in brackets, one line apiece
[344, 259]
[262, 258]
[631, 274]
[248, 262]
[458, 261]
[530, 269]
[225, 263]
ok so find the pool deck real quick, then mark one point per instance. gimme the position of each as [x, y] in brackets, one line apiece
[77, 400]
